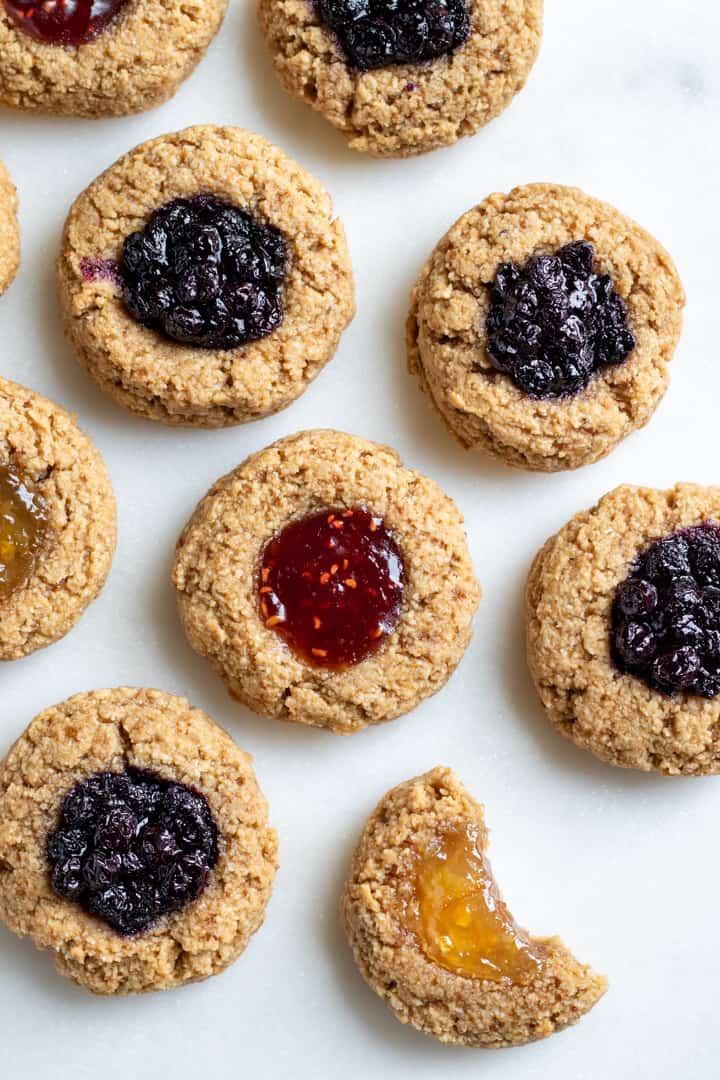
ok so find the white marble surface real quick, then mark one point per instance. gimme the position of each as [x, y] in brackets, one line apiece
[623, 102]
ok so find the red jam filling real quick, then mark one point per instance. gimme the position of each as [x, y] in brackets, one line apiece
[331, 586]
[63, 22]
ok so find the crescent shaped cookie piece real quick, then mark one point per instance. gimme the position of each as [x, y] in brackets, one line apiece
[433, 937]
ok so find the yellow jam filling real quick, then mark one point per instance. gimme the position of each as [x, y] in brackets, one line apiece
[454, 910]
[23, 531]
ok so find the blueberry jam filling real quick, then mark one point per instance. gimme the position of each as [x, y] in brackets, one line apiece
[553, 322]
[204, 273]
[379, 33]
[131, 847]
[63, 22]
[666, 615]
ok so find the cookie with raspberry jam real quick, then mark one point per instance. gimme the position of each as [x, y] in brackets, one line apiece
[57, 522]
[101, 57]
[623, 617]
[326, 583]
[134, 841]
[205, 279]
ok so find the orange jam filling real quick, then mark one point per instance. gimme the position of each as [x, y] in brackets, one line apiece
[453, 908]
[23, 531]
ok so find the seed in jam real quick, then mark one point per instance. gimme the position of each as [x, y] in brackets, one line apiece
[23, 530]
[451, 904]
[331, 586]
[63, 22]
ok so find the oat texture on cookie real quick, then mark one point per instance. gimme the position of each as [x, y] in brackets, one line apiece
[205, 279]
[327, 583]
[101, 58]
[162, 779]
[622, 622]
[542, 326]
[432, 936]
[57, 522]
[398, 80]
[9, 230]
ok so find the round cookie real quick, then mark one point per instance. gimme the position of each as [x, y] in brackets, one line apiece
[9, 230]
[406, 108]
[111, 731]
[217, 574]
[532, 989]
[571, 592]
[135, 63]
[447, 333]
[161, 378]
[57, 522]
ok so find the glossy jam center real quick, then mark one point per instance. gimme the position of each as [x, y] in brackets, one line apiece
[23, 530]
[63, 22]
[331, 586]
[454, 909]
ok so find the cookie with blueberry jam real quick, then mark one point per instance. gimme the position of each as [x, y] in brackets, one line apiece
[134, 842]
[623, 616]
[401, 77]
[101, 57]
[205, 279]
[542, 327]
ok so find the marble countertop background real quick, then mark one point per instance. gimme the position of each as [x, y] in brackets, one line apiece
[624, 103]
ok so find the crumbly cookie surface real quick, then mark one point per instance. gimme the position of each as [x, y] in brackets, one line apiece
[216, 569]
[446, 337]
[570, 592]
[177, 384]
[9, 230]
[451, 1007]
[135, 64]
[110, 730]
[45, 445]
[406, 109]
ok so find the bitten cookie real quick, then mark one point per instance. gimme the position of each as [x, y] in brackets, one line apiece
[542, 325]
[398, 80]
[623, 616]
[326, 583]
[57, 522]
[9, 230]
[204, 278]
[134, 842]
[432, 936]
[101, 59]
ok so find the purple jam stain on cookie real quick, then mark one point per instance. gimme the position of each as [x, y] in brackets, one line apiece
[666, 614]
[131, 847]
[553, 322]
[63, 22]
[204, 273]
[379, 33]
[93, 269]
[331, 586]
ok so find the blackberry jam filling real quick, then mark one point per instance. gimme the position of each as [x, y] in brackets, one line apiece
[23, 531]
[379, 33]
[553, 322]
[63, 22]
[205, 273]
[666, 615]
[132, 847]
[331, 586]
